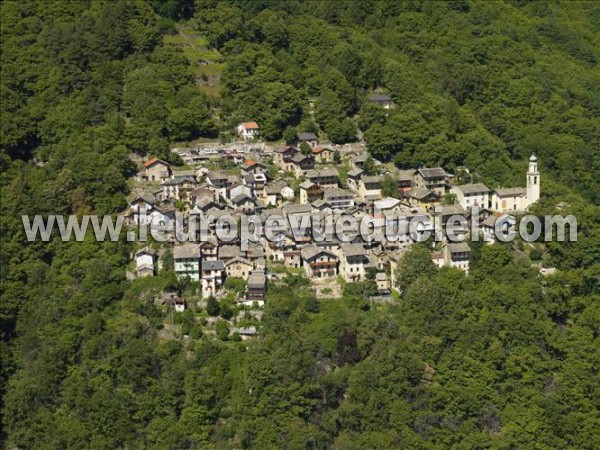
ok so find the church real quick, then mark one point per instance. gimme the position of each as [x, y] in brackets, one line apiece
[519, 199]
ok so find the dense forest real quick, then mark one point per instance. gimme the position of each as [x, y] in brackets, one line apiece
[501, 358]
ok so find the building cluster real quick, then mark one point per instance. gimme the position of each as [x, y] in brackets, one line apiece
[308, 184]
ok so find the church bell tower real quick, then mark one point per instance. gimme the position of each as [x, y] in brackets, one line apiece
[533, 181]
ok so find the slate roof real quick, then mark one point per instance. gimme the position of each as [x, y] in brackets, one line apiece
[213, 265]
[511, 192]
[337, 192]
[311, 251]
[307, 137]
[435, 172]
[420, 193]
[459, 247]
[284, 149]
[275, 187]
[355, 173]
[451, 210]
[306, 184]
[300, 157]
[186, 251]
[405, 175]
[372, 179]
[257, 280]
[470, 189]
[353, 249]
[240, 198]
[147, 250]
[318, 173]
[293, 208]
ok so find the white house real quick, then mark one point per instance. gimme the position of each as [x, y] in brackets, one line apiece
[186, 260]
[352, 262]
[505, 224]
[470, 195]
[433, 179]
[369, 187]
[318, 262]
[213, 276]
[248, 130]
[309, 138]
[238, 267]
[457, 255]
[326, 178]
[338, 198]
[144, 262]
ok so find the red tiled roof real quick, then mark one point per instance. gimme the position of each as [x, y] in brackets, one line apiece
[250, 125]
[319, 149]
[153, 161]
[250, 163]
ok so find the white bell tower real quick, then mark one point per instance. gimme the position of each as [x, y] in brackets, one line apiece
[533, 181]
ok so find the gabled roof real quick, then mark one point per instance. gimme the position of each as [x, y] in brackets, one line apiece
[146, 250]
[452, 210]
[148, 198]
[213, 265]
[405, 175]
[311, 251]
[368, 179]
[320, 149]
[257, 280]
[251, 163]
[275, 187]
[286, 148]
[322, 173]
[435, 172]
[459, 247]
[421, 193]
[237, 259]
[353, 249]
[154, 161]
[250, 125]
[242, 197]
[307, 137]
[356, 173]
[293, 208]
[470, 189]
[510, 192]
[300, 158]
[307, 184]
[229, 251]
[338, 192]
[186, 251]
[386, 203]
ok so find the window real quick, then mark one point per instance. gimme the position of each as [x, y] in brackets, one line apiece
[534, 180]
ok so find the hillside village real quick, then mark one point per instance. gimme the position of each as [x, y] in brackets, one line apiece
[313, 179]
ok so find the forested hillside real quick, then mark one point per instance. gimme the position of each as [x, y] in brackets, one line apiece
[497, 359]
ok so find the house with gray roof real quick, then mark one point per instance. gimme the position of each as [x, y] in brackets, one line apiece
[319, 262]
[186, 261]
[353, 258]
[434, 179]
[472, 195]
